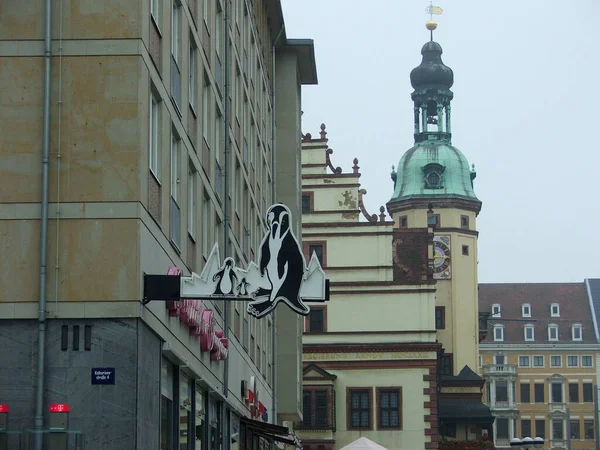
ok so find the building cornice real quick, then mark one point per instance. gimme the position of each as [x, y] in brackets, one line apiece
[540, 347]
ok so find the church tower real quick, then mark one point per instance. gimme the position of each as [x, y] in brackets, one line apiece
[433, 186]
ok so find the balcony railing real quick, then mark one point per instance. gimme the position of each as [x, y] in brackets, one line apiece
[501, 442]
[502, 405]
[557, 406]
[500, 369]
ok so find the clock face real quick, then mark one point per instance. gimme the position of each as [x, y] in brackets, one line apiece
[441, 257]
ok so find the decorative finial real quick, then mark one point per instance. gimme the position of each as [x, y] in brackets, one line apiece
[323, 133]
[431, 10]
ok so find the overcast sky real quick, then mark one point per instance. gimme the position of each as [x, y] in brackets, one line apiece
[526, 112]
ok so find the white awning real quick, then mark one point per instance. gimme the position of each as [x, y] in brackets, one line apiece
[363, 444]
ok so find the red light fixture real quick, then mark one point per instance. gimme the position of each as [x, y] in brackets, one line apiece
[3, 408]
[59, 408]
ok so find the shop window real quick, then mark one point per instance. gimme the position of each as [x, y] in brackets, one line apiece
[449, 429]
[167, 437]
[359, 403]
[574, 392]
[186, 418]
[588, 392]
[389, 408]
[317, 408]
[199, 418]
[440, 317]
[316, 321]
[214, 441]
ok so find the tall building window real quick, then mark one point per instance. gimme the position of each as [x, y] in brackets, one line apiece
[501, 391]
[440, 317]
[556, 393]
[206, 110]
[175, 223]
[526, 310]
[525, 389]
[538, 361]
[574, 429]
[588, 429]
[529, 332]
[574, 392]
[317, 402]
[587, 361]
[191, 200]
[176, 54]
[555, 361]
[186, 418]
[206, 248]
[502, 428]
[558, 429]
[554, 310]
[576, 332]
[154, 144]
[588, 392]
[540, 428]
[306, 203]
[464, 222]
[498, 333]
[193, 78]
[389, 408]
[155, 11]
[538, 392]
[167, 437]
[359, 409]
[316, 321]
[525, 427]
[200, 423]
[553, 332]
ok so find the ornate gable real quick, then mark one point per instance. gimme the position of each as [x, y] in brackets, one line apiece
[313, 372]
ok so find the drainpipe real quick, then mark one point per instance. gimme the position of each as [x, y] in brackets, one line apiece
[226, 307]
[273, 195]
[39, 404]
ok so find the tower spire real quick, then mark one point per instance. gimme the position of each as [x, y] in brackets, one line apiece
[432, 24]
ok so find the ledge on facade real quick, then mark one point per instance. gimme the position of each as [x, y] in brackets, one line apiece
[500, 369]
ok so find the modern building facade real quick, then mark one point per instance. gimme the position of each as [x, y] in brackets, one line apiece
[164, 121]
[540, 362]
[393, 356]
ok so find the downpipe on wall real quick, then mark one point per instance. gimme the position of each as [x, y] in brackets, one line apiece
[274, 200]
[39, 403]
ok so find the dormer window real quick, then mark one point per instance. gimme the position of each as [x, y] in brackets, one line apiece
[496, 310]
[526, 310]
[553, 332]
[577, 332]
[554, 310]
[498, 333]
[529, 332]
[434, 176]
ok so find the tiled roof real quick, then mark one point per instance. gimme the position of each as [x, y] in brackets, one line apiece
[573, 304]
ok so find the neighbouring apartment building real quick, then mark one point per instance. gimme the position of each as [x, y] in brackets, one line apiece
[165, 118]
[540, 362]
[393, 356]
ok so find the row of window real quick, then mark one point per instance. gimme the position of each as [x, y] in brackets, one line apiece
[575, 428]
[319, 408]
[529, 332]
[504, 391]
[526, 310]
[539, 361]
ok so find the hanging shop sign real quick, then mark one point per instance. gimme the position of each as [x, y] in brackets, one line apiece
[201, 322]
[280, 275]
[250, 395]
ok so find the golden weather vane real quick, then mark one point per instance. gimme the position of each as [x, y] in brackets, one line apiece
[431, 10]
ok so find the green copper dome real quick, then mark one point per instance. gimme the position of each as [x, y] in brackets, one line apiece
[433, 170]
